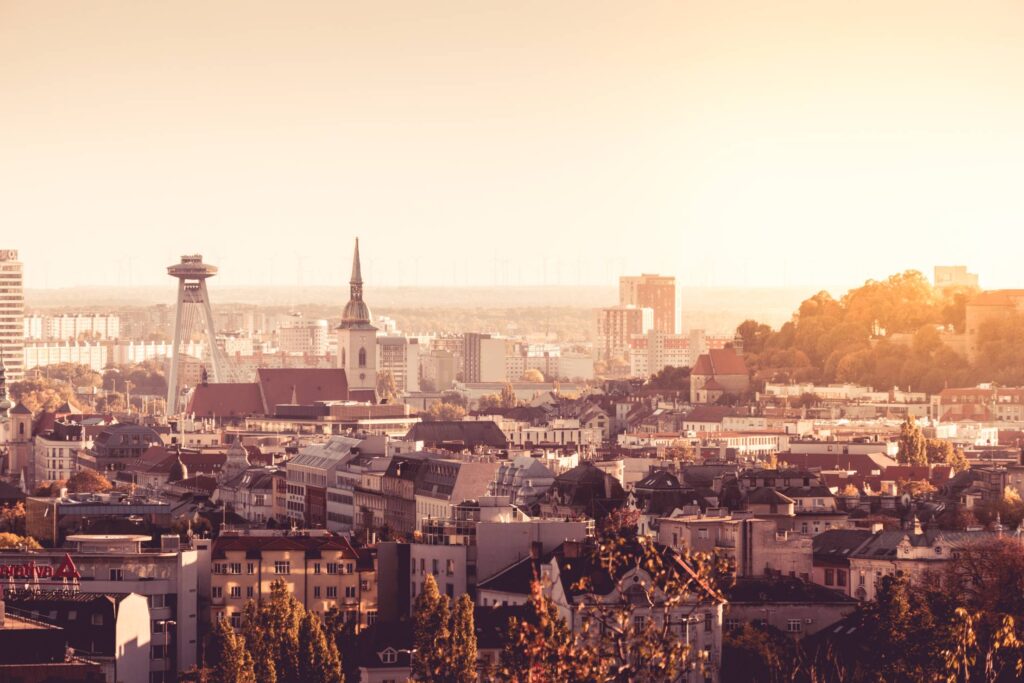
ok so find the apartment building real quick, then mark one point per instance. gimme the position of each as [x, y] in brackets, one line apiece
[320, 569]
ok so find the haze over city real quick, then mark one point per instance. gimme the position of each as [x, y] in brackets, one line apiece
[470, 341]
[728, 143]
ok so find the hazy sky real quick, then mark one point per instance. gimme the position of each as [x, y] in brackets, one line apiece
[728, 143]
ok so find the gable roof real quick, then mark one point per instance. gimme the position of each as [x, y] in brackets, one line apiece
[277, 386]
[226, 400]
[720, 362]
[471, 433]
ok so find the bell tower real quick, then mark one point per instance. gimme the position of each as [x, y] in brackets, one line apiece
[357, 337]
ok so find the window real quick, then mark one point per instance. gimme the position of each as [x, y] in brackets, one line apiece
[732, 623]
[434, 565]
[709, 622]
[371, 617]
[862, 580]
[248, 591]
[830, 577]
[72, 615]
[217, 592]
[316, 568]
[282, 567]
[841, 577]
[794, 626]
[250, 568]
[362, 358]
[157, 652]
[332, 591]
[702, 533]
[423, 566]
[316, 591]
[350, 591]
[236, 620]
[97, 620]
[449, 590]
[236, 568]
[236, 591]
[349, 567]
[449, 568]
[117, 575]
[332, 567]
[389, 656]
[156, 601]
[638, 622]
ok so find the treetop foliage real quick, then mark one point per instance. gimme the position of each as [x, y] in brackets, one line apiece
[884, 334]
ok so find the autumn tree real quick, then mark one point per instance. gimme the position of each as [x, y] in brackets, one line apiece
[540, 648]
[912, 444]
[228, 655]
[463, 642]
[533, 375]
[88, 481]
[14, 541]
[271, 630]
[916, 488]
[387, 388]
[508, 396]
[12, 519]
[431, 633]
[444, 412]
[319, 661]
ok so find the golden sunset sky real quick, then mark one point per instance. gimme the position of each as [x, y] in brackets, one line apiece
[760, 143]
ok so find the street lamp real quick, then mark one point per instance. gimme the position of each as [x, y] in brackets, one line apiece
[167, 624]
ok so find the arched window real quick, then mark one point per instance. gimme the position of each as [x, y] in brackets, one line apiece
[342, 356]
[21, 429]
[362, 358]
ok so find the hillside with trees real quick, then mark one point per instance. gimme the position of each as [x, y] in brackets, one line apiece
[884, 334]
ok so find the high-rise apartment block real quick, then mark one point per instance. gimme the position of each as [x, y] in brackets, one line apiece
[657, 292]
[12, 313]
[306, 337]
[484, 358]
[616, 326]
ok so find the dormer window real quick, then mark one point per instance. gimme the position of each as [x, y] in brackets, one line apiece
[389, 656]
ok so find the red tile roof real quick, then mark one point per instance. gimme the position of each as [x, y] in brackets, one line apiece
[720, 362]
[308, 385]
[226, 400]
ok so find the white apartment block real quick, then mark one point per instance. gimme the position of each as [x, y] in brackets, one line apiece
[401, 357]
[305, 337]
[12, 311]
[97, 326]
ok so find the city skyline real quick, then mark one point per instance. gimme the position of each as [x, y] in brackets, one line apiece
[483, 145]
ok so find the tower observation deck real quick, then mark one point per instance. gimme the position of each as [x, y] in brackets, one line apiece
[192, 310]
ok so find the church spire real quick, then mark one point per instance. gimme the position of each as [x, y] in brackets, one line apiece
[356, 312]
[357, 271]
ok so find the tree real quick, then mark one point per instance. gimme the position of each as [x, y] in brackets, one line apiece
[917, 488]
[431, 634]
[231, 661]
[319, 661]
[913, 448]
[444, 412]
[463, 645]
[13, 541]
[387, 388]
[541, 649]
[88, 481]
[271, 630]
[508, 396]
[488, 402]
[671, 378]
[12, 519]
[533, 375]
[757, 655]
